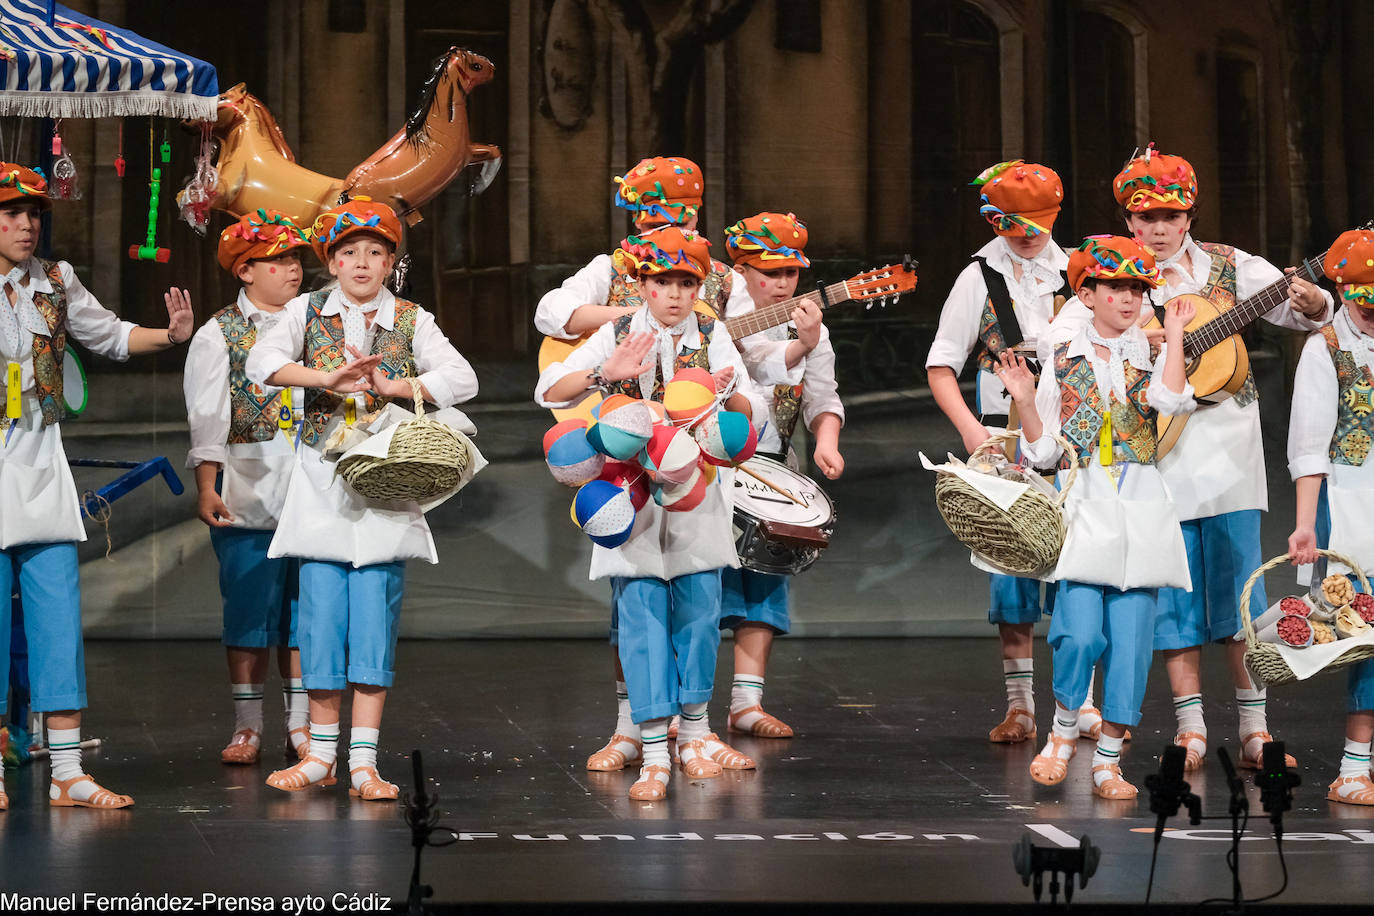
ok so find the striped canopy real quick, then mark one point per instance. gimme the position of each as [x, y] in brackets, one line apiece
[83, 68]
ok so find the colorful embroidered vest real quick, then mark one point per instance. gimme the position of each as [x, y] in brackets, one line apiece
[1354, 433]
[787, 403]
[686, 359]
[1221, 292]
[48, 351]
[715, 289]
[253, 413]
[990, 338]
[324, 350]
[1134, 434]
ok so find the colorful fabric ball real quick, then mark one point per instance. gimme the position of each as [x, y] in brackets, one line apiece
[726, 437]
[629, 477]
[571, 459]
[671, 455]
[623, 426]
[687, 496]
[689, 395]
[604, 512]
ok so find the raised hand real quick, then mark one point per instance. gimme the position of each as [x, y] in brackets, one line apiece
[807, 318]
[1016, 376]
[353, 376]
[1177, 314]
[180, 316]
[1306, 298]
[377, 379]
[629, 358]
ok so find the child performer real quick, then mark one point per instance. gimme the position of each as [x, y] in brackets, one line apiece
[40, 515]
[1328, 455]
[1102, 389]
[666, 578]
[1004, 298]
[769, 253]
[1215, 471]
[352, 551]
[241, 438]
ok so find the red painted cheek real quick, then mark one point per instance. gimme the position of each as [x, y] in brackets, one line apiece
[4, 228]
[1111, 299]
[271, 270]
[1139, 233]
[763, 284]
[341, 263]
[1180, 232]
[653, 294]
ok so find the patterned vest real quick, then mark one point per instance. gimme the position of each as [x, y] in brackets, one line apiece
[1134, 436]
[48, 351]
[1355, 405]
[1221, 291]
[699, 358]
[324, 350]
[787, 403]
[991, 340]
[253, 413]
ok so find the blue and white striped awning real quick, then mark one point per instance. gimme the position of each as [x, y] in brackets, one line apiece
[84, 68]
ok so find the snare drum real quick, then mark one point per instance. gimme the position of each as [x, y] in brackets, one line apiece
[772, 533]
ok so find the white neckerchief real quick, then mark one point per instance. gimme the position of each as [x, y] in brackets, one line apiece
[1176, 263]
[22, 316]
[1134, 348]
[1037, 277]
[355, 323]
[665, 345]
[1361, 345]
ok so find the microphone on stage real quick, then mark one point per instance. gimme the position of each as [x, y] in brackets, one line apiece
[1168, 789]
[1239, 803]
[1276, 784]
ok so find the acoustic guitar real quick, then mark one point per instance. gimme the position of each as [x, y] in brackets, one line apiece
[878, 286]
[1217, 361]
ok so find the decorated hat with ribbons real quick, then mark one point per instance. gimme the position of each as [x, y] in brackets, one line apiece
[1350, 262]
[361, 214]
[663, 188]
[768, 241]
[256, 236]
[1156, 181]
[18, 182]
[668, 248]
[1112, 257]
[1019, 198]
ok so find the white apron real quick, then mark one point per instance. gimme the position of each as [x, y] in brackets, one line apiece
[38, 499]
[256, 478]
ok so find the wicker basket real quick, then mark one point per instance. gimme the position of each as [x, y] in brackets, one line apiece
[424, 459]
[1025, 539]
[1264, 659]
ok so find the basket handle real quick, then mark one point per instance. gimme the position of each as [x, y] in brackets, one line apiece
[419, 396]
[997, 440]
[1251, 637]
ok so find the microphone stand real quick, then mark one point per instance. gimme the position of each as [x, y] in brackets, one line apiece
[421, 813]
[1239, 812]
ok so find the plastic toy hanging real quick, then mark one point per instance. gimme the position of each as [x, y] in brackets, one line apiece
[64, 177]
[149, 251]
[198, 196]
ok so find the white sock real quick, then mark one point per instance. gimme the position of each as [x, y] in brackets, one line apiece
[324, 748]
[745, 691]
[1250, 704]
[1066, 727]
[693, 723]
[624, 725]
[1355, 760]
[1092, 682]
[654, 734]
[1108, 752]
[247, 706]
[1188, 709]
[296, 701]
[1019, 675]
[362, 752]
[64, 752]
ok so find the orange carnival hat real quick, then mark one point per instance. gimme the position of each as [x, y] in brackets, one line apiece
[261, 234]
[669, 248]
[1350, 260]
[1112, 257]
[768, 241]
[18, 182]
[1156, 181]
[361, 214]
[665, 187]
[1020, 198]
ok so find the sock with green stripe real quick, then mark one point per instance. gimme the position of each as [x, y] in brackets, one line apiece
[693, 724]
[324, 751]
[1355, 760]
[654, 734]
[1108, 752]
[1250, 704]
[247, 708]
[1019, 675]
[64, 752]
[1188, 710]
[746, 693]
[362, 752]
[296, 701]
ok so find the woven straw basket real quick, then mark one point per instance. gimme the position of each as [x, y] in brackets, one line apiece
[424, 459]
[1025, 539]
[1263, 658]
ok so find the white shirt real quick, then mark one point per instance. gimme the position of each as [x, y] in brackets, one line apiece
[1316, 391]
[1217, 465]
[957, 336]
[38, 499]
[663, 544]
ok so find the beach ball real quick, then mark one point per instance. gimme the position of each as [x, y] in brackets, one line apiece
[671, 455]
[685, 497]
[604, 513]
[572, 460]
[628, 476]
[623, 425]
[726, 437]
[690, 394]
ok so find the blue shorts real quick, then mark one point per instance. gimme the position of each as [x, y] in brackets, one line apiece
[669, 634]
[753, 597]
[46, 577]
[1223, 550]
[1093, 622]
[349, 620]
[259, 593]
[1015, 600]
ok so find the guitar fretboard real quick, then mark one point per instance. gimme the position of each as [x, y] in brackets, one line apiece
[770, 316]
[1236, 319]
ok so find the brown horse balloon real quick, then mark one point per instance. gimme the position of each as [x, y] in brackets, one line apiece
[257, 168]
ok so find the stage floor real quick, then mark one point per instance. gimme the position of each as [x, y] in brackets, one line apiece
[891, 792]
